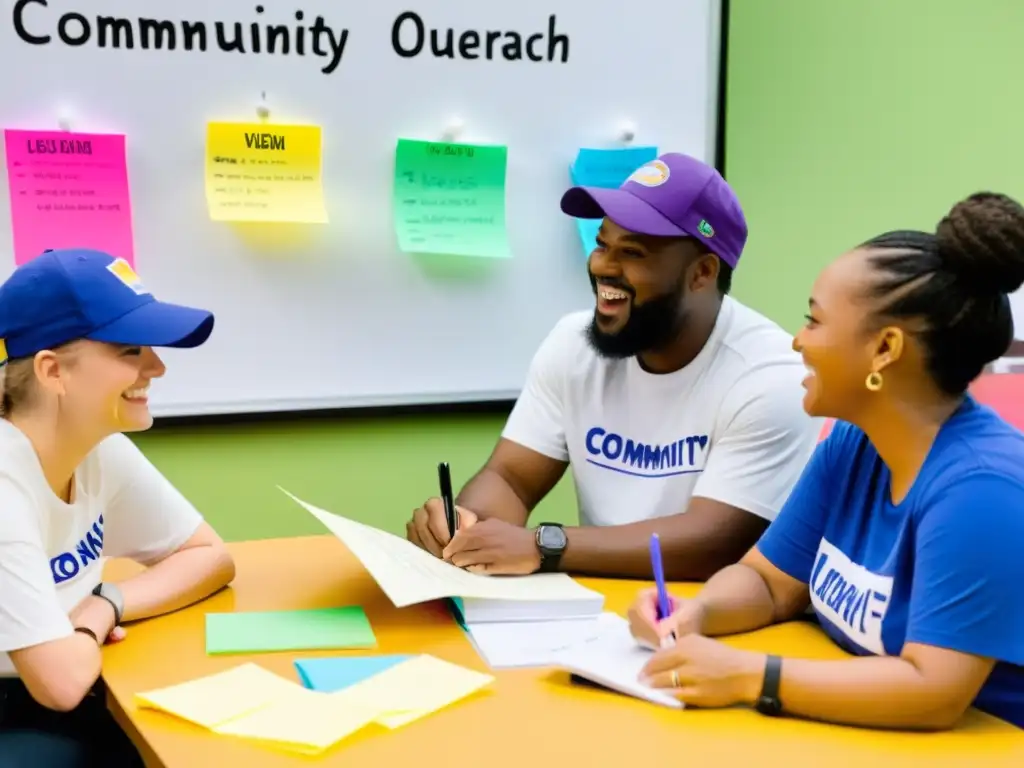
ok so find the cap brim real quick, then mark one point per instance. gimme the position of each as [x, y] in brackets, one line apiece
[157, 324]
[622, 207]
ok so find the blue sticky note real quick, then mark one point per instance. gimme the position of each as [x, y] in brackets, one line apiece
[609, 167]
[604, 168]
[334, 673]
[588, 229]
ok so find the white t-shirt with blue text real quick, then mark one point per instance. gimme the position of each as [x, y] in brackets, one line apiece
[730, 426]
[52, 553]
[944, 567]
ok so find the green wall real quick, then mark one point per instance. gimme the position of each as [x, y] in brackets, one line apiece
[846, 119]
[843, 119]
[372, 470]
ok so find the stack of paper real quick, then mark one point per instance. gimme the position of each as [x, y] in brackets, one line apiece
[533, 643]
[410, 575]
[251, 702]
[586, 605]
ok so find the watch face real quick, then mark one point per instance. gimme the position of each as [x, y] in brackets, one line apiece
[769, 706]
[552, 537]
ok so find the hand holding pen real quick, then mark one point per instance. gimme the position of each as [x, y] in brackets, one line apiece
[436, 523]
[451, 516]
[655, 618]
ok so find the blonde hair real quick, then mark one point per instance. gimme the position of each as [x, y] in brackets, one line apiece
[17, 378]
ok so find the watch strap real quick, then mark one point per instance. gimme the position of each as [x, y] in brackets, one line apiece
[548, 563]
[768, 703]
[98, 592]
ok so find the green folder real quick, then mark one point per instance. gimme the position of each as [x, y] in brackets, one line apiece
[264, 631]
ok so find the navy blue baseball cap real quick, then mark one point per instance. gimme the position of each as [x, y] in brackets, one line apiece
[65, 295]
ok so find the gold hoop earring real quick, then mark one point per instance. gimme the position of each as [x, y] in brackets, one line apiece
[873, 381]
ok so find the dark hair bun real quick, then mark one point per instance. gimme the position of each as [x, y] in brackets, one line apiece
[981, 240]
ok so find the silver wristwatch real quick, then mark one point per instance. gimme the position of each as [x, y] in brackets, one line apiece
[112, 594]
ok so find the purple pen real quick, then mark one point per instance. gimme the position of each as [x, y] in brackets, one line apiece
[664, 604]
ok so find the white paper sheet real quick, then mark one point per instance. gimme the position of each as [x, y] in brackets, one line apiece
[408, 575]
[533, 643]
[612, 658]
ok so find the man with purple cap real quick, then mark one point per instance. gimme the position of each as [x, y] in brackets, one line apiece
[678, 409]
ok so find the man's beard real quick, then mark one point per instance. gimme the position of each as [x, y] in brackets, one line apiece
[651, 326]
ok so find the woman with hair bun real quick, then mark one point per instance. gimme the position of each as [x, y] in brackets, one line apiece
[905, 533]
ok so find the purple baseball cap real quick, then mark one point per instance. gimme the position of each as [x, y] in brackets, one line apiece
[673, 196]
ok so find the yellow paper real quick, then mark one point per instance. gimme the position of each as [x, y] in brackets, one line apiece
[214, 699]
[415, 688]
[309, 723]
[265, 172]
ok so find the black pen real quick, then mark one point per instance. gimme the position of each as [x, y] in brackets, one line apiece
[444, 477]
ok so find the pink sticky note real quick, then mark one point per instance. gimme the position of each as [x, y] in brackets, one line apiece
[69, 190]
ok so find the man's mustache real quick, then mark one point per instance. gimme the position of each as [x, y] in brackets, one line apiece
[616, 284]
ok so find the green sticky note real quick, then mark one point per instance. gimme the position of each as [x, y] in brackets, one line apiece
[450, 198]
[260, 631]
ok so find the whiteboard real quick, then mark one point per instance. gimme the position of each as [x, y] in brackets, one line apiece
[334, 316]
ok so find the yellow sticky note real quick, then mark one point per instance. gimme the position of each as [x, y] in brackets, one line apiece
[309, 722]
[265, 172]
[217, 698]
[415, 688]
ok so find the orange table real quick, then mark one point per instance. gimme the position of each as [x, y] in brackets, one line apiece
[528, 718]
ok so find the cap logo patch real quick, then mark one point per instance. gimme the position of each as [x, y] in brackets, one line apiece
[705, 229]
[3, 352]
[652, 174]
[120, 269]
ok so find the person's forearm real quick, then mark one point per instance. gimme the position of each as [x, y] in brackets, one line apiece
[623, 551]
[68, 669]
[181, 579]
[735, 600]
[82, 667]
[488, 495]
[873, 692]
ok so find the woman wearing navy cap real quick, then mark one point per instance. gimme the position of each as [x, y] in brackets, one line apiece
[77, 331]
[905, 531]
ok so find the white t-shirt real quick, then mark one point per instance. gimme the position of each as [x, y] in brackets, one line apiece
[52, 553]
[730, 426]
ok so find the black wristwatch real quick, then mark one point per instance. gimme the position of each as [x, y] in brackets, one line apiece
[768, 702]
[551, 541]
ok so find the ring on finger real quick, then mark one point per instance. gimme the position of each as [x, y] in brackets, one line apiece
[675, 678]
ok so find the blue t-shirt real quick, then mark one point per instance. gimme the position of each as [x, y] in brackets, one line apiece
[944, 567]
